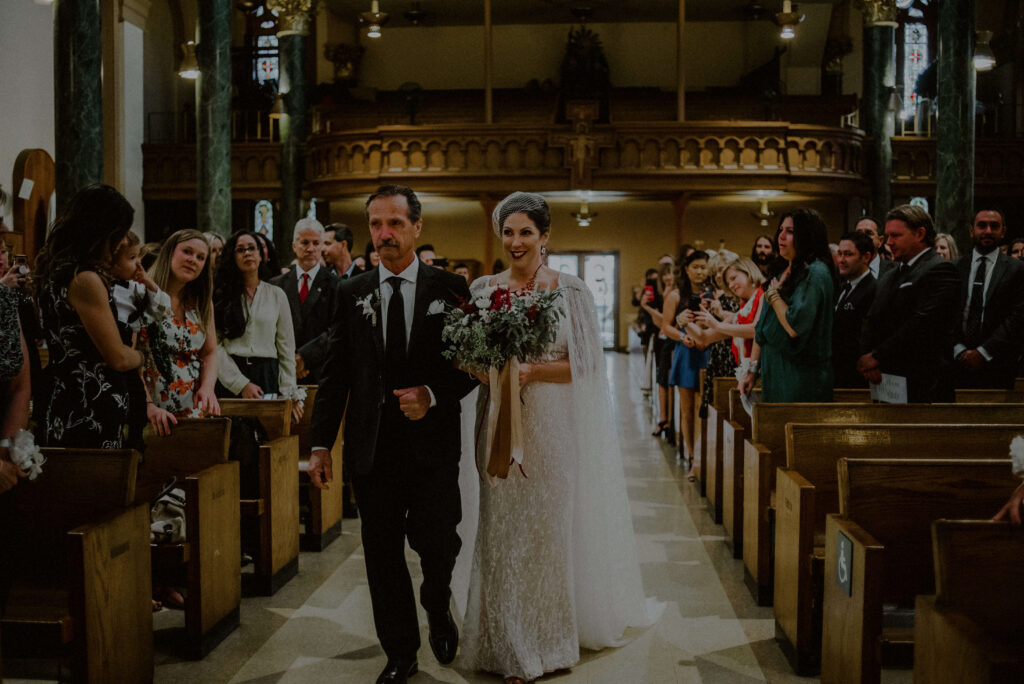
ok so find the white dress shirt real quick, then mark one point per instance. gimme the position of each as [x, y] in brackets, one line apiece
[408, 277]
[874, 265]
[312, 274]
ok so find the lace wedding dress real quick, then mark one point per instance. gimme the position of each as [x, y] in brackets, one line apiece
[554, 564]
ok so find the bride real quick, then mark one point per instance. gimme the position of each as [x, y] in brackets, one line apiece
[554, 565]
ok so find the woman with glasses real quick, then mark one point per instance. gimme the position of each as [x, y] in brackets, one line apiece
[256, 342]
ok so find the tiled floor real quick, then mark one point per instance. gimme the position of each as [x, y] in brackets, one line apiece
[318, 628]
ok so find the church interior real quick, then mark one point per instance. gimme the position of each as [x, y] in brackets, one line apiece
[647, 125]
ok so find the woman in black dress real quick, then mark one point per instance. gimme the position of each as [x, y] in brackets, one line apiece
[88, 406]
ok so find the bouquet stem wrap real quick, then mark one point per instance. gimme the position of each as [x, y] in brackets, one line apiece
[504, 442]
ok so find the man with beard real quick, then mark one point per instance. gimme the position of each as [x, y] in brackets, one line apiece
[763, 254]
[989, 338]
[881, 263]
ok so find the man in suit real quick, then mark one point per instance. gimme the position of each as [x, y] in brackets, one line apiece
[879, 264]
[990, 336]
[908, 331]
[338, 243]
[313, 299]
[402, 428]
[853, 300]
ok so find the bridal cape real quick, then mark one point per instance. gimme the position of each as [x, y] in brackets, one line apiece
[588, 541]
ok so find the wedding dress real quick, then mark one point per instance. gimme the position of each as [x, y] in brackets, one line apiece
[554, 564]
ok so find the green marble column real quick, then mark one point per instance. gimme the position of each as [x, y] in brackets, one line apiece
[876, 119]
[78, 96]
[213, 117]
[954, 181]
[294, 17]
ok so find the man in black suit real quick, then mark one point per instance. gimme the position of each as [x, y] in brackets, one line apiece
[990, 336]
[908, 331]
[852, 303]
[338, 241]
[402, 428]
[879, 263]
[313, 300]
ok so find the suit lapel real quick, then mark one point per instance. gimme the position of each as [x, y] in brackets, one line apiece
[315, 289]
[291, 288]
[997, 272]
[372, 289]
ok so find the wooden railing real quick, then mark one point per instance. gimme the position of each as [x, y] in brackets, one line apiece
[998, 164]
[169, 171]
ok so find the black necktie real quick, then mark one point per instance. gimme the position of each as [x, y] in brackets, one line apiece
[843, 293]
[394, 351]
[972, 326]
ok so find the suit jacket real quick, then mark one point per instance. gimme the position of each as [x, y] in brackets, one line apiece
[354, 377]
[1002, 324]
[311, 319]
[909, 327]
[847, 322]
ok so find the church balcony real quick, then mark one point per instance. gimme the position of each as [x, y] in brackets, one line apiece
[998, 166]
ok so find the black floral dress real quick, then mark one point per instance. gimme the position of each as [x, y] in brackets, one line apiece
[88, 405]
[721, 363]
[10, 336]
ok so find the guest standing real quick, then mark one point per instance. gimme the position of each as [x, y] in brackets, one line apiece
[663, 348]
[856, 250]
[793, 341]
[89, 402]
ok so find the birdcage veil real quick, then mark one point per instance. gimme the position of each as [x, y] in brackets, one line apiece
[522, 202]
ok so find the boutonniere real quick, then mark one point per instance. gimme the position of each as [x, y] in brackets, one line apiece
[848, 306]
[370, 304]
[436, 307]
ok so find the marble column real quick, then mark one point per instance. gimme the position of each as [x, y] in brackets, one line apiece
[294, 17]
[876, 119]
[954, 180]
[213, 117]
[78, 96]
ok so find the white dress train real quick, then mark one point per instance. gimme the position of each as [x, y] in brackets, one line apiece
[554, 564]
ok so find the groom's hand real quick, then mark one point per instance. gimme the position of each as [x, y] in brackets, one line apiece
[320, 468]
[413, 401]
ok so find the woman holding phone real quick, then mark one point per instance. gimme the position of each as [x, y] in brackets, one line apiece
[688, 358]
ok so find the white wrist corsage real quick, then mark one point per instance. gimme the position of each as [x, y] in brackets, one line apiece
[1017, 455]
[26, 455]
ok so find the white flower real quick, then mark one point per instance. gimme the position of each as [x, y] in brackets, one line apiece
[436, 307]
[26, 455]
[482, 302]
[370, 304]
[1017, 455]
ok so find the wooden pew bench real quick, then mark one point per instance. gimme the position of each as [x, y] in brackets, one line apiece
[972, 629]
[765, 452]
[718, 413]
[81, 589]
[195, 454]
[987, 396]
[734, 431]
[325, 507]
[807, 490]
[878, 553]
[273, 517]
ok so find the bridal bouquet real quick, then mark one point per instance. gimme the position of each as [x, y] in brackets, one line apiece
[492, 333]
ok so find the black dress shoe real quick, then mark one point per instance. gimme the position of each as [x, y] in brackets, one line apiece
[444, 636]
[398, 672]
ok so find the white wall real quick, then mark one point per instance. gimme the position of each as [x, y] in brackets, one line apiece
[26, 84]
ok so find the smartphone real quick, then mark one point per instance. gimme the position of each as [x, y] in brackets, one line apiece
[693, 303]
[649, 291]
[20, 260]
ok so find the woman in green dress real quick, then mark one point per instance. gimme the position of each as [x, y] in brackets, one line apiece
[793, 340]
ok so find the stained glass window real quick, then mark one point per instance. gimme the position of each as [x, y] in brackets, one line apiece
[266, 59]
[263, 220]
[915, 61]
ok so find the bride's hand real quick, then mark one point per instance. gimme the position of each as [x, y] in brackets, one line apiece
[526, 373]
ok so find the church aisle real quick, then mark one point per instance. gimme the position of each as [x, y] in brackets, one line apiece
[318, 628]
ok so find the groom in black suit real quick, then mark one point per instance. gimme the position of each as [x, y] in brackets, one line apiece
[402, 428]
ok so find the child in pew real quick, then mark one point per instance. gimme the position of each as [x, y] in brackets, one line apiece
[137, 302]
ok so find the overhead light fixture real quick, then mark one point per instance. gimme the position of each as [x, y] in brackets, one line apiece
[189, 66]
[583, 216]
[788, 19]
[984, 58]
[764, 213]
[374, 20]
[278, 109]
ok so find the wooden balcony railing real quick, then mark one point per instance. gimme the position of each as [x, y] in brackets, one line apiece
[998, 165]
[169, 171]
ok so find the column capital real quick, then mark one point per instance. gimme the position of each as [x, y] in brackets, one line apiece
[878, 12]
[295, 15]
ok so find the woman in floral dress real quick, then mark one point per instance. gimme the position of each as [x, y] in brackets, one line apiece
[88, 405]
[181, 377]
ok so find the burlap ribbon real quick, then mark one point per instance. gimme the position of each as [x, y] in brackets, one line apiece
[504, 441]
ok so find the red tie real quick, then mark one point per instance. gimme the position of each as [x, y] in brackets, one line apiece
[304, 290]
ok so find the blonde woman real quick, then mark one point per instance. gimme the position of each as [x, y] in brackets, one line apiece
[744, 281]
[945, 247]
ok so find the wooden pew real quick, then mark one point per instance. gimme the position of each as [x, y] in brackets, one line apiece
[325, 507]
[887, 508]
[987, 396]
[82, 587]
[206, 563]
[765, 452]
[275, 514]
[972, 629]
[718, 413]
[734, 431]
[807, 490]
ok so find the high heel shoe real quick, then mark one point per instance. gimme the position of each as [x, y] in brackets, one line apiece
[670, 435]
[660, 429]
